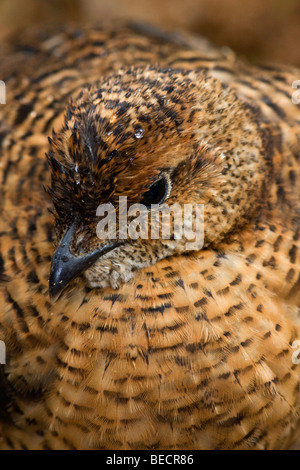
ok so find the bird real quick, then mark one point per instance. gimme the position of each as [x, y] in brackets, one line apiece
[142, 344]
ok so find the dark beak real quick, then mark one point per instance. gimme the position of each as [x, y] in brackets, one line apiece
[65, 266]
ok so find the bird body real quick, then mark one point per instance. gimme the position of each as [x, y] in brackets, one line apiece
[151, 346]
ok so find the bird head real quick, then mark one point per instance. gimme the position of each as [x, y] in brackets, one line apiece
[148, 136]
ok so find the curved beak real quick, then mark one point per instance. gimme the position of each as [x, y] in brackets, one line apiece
[65, 266]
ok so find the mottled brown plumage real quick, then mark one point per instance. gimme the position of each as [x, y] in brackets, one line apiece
[149, 346]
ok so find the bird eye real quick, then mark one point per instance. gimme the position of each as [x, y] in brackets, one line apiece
[157, 193]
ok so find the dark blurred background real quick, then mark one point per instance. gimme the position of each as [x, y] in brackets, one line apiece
[262, 30]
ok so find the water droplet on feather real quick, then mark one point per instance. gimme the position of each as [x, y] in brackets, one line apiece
[139, 133]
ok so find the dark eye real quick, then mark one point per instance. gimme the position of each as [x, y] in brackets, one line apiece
[157, 193]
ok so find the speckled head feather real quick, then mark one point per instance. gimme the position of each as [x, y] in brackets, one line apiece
[121, 134]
